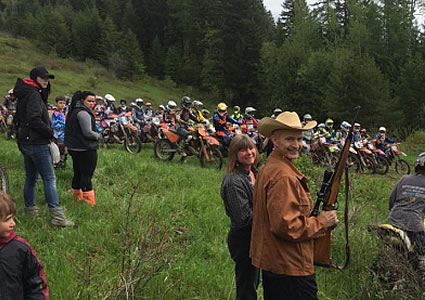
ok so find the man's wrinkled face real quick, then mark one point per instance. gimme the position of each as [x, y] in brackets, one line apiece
[289, 142]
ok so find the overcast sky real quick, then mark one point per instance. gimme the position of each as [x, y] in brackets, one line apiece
[275, 6]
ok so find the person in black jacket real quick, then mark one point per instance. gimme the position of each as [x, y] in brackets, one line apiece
[22, 274]
[34, 135]
[81, 139]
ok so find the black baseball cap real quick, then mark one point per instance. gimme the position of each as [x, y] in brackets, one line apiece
[40, 72]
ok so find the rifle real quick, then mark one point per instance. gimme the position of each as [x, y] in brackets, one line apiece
[327, 200]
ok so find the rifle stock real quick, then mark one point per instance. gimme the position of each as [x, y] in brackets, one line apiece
[327, 200]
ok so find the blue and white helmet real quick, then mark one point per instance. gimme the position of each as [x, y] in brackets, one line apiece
[420, 162]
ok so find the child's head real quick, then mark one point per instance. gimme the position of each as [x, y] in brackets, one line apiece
[60, 102]
[7, 211]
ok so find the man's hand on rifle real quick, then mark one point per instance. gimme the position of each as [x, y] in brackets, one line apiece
[331, 217]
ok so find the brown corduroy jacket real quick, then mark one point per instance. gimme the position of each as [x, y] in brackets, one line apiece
[283, 231]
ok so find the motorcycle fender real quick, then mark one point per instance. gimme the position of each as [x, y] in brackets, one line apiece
[211, 140]
[352, 150]
[172, 137]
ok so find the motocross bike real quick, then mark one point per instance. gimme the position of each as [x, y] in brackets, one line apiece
[205, 147]
[378, 156]
[118, 129]
[396, 264]
[360, 159]
[4, 182]
[324, 153]
[149, 132]
[393, 154]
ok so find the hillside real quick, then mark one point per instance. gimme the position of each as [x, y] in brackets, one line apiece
[19, 56]
[158, 230]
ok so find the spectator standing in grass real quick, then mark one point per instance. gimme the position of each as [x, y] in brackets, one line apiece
[81, 139]
[58, 125]
[236, 191]
[34, 135]
[22, 274]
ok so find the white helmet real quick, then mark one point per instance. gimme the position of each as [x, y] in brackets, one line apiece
[109, 98]
[420, 162]
[171, 105]
[382, 129]
[356, 127]
[345, 126]
[307, 117]
[162, 107]
[140, 100]
[197, 103]
[250, 111]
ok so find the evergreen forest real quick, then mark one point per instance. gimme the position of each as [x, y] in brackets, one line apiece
[321, 59]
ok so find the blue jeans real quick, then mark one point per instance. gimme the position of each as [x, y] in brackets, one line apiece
[37, 161]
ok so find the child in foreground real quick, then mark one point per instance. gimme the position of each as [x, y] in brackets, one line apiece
[22, 274]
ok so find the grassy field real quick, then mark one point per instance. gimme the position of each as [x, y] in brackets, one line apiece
[158, 230]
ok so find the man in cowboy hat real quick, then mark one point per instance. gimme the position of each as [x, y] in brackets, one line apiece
[283, 230]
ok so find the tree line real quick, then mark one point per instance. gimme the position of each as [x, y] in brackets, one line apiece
[323, 60]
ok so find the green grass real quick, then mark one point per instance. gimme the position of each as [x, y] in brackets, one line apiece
[175, 219]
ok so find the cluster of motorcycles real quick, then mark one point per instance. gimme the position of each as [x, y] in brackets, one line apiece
[167, 142]
[364, 156]
[7, 126]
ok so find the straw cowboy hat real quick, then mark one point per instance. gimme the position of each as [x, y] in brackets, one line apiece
[285, 120]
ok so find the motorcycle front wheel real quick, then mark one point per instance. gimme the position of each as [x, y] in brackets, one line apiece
[132, 144]
[354, 163]
[214, 160]
[402, 167]
[382, 165]
[369, 165]
[164, 150]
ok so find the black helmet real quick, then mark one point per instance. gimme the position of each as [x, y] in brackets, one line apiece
[186, 102]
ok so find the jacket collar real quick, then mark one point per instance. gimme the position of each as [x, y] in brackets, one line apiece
[276, 154]
[32, 83]
[7, 239]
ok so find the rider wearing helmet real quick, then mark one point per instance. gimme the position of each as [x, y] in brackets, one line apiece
[328, 131]
[123, 108]
[249, 121]
[110, 105]
[137, 114]
[206, 113]
[149, 113]
[170, 113]
[237, 113]
[356, 132]
[342, 133]
[382, 139]
[407, 203]
[161, 112]
[307, 134]
[276, 112]
[196, 110]
[99, 109]
[10, 102]
[220, 119]
[183, 116]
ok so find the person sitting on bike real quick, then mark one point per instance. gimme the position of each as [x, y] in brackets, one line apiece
[137, 115]
[220, 119]
[99, 109]
[110, 105]
[382, 140]
[9, 109]
[160, 113]
[328, 131]
[250, 122]
[123, 108]
[356, 133]
[342, 133]
[407, 204]
[183, 116]
[307, 134]
[276, 112]
[196, 110]
[170, 113]
[149, 113]
[237, 113]
[364, 134]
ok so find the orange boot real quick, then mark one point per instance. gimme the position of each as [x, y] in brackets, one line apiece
[77, 194]
[89, 198]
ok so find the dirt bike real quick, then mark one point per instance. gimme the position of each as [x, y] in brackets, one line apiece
[149, 132]
[378, 156]
[205, 147]
[393, 154]
[396, 264]
[4, 182]
[360, 159]
[324, 153]
[7, 125]
[118, 129]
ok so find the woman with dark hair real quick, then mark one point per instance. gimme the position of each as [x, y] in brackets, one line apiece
[81, 139]
[236, 191]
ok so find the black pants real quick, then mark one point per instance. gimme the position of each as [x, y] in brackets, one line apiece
[280, 287]
[247, 276]
[84, 164]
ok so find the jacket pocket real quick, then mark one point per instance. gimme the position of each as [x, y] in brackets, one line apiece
[305, 205]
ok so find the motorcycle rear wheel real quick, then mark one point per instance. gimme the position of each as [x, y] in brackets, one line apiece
[215, 160]
[4, 182]
[354, 163]
[132, 144]
[369, 167]
[164, 150]
[402, 167]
